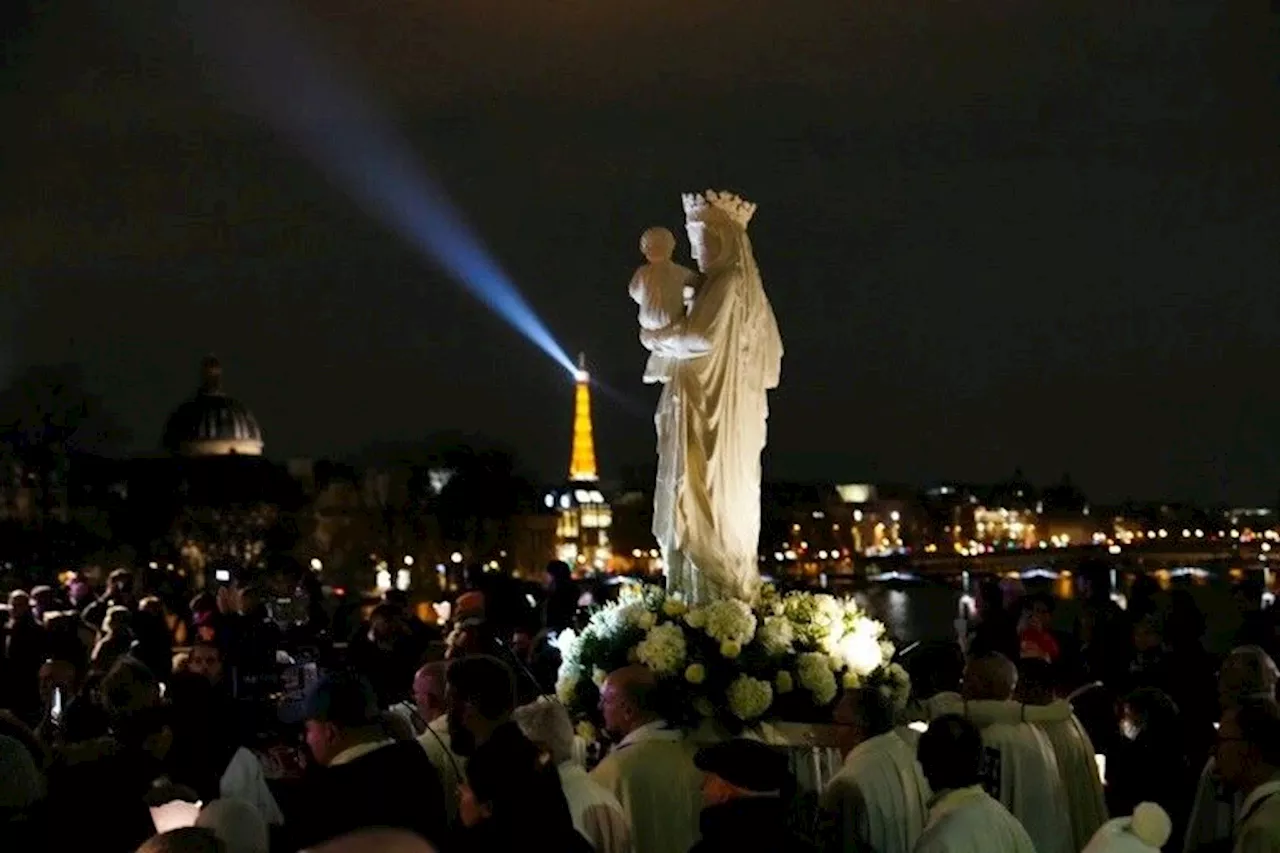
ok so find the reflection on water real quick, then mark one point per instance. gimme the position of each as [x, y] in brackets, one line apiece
[927, 610]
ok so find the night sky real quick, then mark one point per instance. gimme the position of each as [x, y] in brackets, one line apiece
[995, 233]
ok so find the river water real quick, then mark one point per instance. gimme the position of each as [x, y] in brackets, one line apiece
[926, 610]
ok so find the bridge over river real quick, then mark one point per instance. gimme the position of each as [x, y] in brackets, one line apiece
[1214, 556]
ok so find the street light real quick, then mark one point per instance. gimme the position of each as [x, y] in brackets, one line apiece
[408, 561]
[316, 565]
[455, 558]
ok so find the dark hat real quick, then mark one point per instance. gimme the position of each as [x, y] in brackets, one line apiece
[344, 699]
[748, 764]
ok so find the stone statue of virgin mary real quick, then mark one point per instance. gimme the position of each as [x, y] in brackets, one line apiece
[712, 415]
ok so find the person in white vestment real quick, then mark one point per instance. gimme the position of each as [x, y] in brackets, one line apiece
[879, 798]
[1020, 767]
[1145, 831]
[651, 769]
[596, 812]
[1248, 672]
[1248, 755]
[963, 818]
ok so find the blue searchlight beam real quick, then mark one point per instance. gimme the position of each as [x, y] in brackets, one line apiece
[266, 56]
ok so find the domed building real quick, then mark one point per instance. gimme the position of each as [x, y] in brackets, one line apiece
[212, 423]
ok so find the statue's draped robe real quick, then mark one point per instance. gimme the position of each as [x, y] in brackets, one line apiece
[711, 424]
[968, 820]
[1023, 771]
[879, 799]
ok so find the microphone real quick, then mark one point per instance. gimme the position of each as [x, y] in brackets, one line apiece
[528, 673]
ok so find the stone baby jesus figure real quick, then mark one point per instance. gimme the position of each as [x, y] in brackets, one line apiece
[664, 290]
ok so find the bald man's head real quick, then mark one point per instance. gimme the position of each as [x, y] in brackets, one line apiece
[376, 841]
[429, 689]
[628, 699]
[990, 676]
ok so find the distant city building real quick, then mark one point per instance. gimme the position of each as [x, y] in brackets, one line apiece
[212, 423]
[582, 532]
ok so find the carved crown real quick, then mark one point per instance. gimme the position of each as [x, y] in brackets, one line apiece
[697, 205]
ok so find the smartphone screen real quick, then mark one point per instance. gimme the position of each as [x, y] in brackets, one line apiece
[55, 712]
[176, 814]
[1101, 761]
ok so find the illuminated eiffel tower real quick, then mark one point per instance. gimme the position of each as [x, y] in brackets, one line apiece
[582, 458]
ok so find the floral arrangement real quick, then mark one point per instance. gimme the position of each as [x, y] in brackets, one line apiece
[786, 658]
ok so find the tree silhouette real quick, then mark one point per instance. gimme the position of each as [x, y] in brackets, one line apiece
[48, 417]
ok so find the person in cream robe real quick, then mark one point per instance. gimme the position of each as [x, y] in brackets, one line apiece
[1021, 768]
[963, 817]
[1072, 750]
[879, 798]
[651, 771]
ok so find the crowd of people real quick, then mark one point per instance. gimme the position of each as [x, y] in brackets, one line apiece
[223, 725]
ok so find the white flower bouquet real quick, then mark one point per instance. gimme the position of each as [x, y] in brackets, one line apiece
[787, 658]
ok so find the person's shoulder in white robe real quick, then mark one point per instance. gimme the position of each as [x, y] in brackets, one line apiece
[969, 820]
[596, 812]
[879, 798]
[435, 742]
[653, 776]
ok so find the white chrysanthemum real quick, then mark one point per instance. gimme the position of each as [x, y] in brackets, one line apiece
[602, 621]
[808, 621]
[749, 698]
[630, 614]
[777, 635]
[569, 645]
[567, 683]
[696, 618]
[663, 649]
[730, 620]
[815, 673]
[829, 609]
[861, 652]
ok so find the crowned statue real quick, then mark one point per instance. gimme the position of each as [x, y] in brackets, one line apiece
[718, 359]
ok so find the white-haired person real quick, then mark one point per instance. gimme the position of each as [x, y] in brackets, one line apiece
[596, 812]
